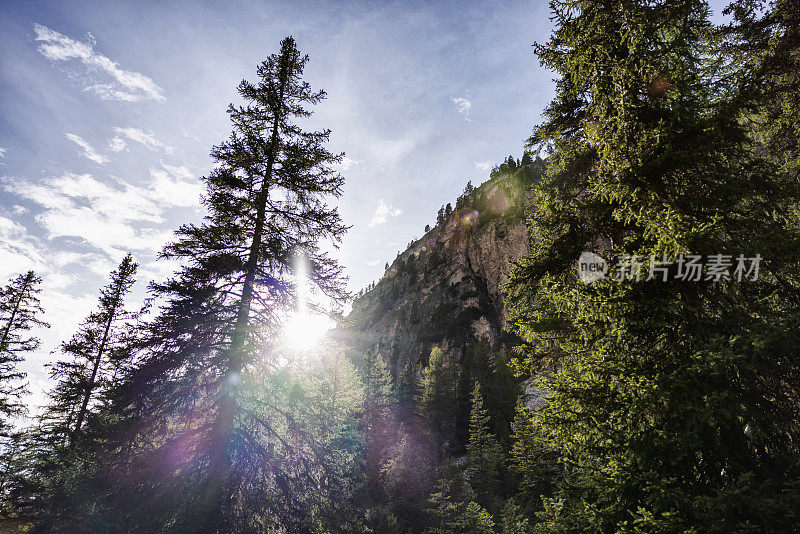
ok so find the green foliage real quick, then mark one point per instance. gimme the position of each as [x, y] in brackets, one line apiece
[378, 419]
[437, 398]
[61, 460]
[211, 430]
[533, 466]
[98, 357]
[665, 401]
[482, 364]
[484, 456]
[451, 511]
[408, 474]
[668, 406]
[20, 311]
[513, 521]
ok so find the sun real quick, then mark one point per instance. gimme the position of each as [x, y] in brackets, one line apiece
[303, 330]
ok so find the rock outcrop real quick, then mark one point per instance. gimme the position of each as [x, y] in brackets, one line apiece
[445, 289]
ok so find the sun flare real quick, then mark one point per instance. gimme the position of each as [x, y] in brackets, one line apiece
[303, 330]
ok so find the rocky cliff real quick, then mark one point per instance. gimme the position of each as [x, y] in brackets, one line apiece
[445, 289]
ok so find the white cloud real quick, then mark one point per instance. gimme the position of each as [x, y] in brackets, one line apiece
[373, 263]
[110, 219]
[2, 152]
[140, 136]
[94, 261]
[123, 85]
[87, 151]
[19, 210]
[382, 212]
[176, 185]
[483, 166]
[117, 144]
[20, 251]
[463, 106]
[348, 163]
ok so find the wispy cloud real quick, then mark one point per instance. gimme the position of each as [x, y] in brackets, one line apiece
[463, 106]
[117, 144]
[119, 84]
[348, 163]
[111, 219]
[382, 212]
[19, 250]
[87, 151]
[2, 152]
[140, 136]
[483, 166]
[175, 185]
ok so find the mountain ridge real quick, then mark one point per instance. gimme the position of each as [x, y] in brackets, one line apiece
[445, 289]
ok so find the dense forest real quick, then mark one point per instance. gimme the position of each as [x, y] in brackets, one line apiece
[633, 404]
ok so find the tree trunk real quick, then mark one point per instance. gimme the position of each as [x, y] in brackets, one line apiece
[219, 461]
[17, 304]
[96, 365]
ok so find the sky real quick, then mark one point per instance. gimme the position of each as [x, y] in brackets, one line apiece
[108, 111]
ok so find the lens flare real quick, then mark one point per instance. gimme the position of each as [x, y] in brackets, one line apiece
[303, 329]
[467, 217]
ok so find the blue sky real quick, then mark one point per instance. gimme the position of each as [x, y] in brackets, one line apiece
[108, 111]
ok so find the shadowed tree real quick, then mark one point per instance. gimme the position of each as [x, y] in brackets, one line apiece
[19, 312]
[204, 443]
[80, 379]
[484, 456]
[378, 421]
[672, 401]
[437, 399]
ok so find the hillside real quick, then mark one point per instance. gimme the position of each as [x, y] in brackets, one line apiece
[445, 289]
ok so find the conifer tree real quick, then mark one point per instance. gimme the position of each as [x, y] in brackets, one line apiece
[534, 467]
[438, 399]
[92, 350]
[452, 508]
[454, 517]
[205, 443]
[20, 311]
[378, 417]
[484, 456]
[655, 388]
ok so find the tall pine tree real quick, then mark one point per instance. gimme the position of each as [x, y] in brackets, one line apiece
[378, 418]
[438, 399]
[670, 402]
[92, 350]
[20, 311]
[484, 456]
[205, 443]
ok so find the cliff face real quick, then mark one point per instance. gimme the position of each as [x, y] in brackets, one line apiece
[445, 289]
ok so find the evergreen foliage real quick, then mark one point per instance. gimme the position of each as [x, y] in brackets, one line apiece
[638, 406]
[97, 355]
[484, 456]
[216, 441]
[437, 398]
[669, 402]
[20, 311]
